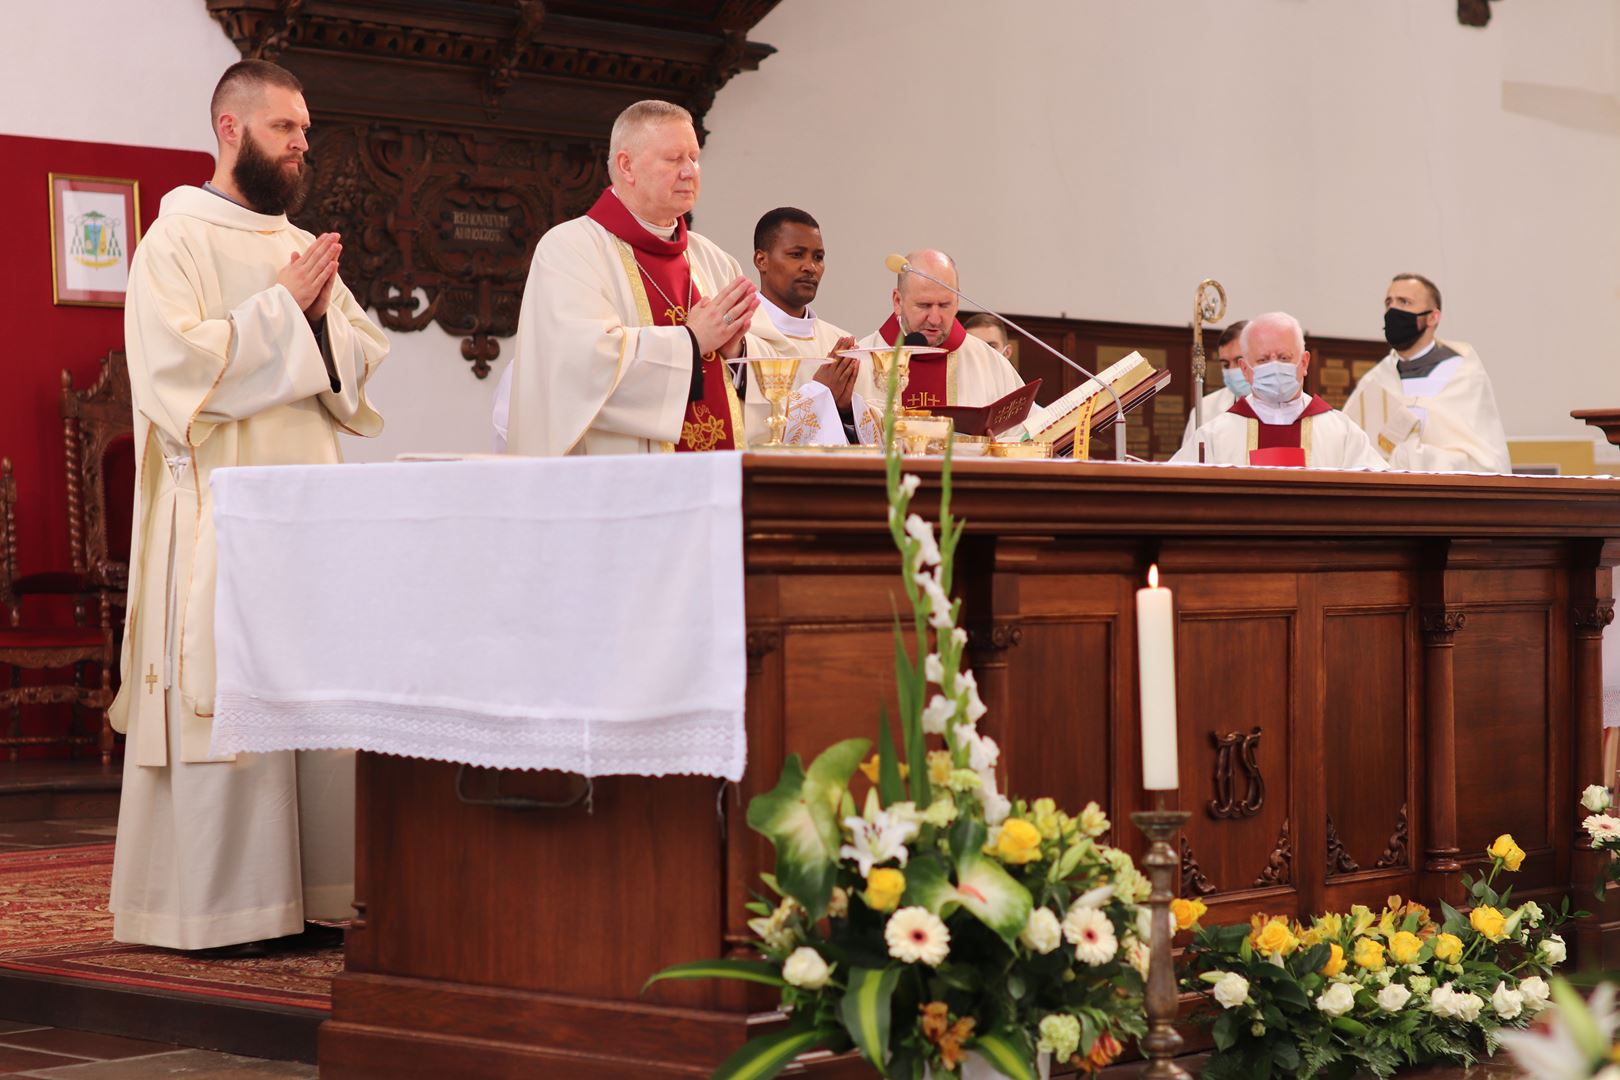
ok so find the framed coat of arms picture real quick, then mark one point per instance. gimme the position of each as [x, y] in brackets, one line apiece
[95, 225]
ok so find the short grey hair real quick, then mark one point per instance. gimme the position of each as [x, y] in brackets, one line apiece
[638, 116]
[1273, 319]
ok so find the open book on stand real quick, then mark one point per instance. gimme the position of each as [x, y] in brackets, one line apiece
[1133, 378]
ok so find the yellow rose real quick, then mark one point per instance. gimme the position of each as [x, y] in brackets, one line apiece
[1019, 843]
[884, 887]
[1369, 954]
[1335, 961]
[1511, 854]
[1276, 938]
[1404, 947]
[1448, 948]
[1488, 921]
[1187, 912]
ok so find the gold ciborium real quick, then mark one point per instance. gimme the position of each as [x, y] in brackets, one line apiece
[776, 376]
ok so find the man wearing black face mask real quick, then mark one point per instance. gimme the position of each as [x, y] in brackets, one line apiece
[1428, 405]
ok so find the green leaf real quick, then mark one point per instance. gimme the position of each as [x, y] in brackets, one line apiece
[982, 887]
[1224, 1031]
[1007, 1053]
[800, 818]
[1350, 1027]
[913, 693]
[890, 790]
[754, 971]
[764, 1057]
[865, 1012]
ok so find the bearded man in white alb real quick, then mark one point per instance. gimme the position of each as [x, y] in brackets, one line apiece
[969, 372]
[1428, 405]
[628, 319]
[244, 348]
[1278, 423]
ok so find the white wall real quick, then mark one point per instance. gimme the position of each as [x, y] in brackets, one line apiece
[1096, 158]
[1090, 158]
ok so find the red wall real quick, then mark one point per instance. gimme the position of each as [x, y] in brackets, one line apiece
[40, 339]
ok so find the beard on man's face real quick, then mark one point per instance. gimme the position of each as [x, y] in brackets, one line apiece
[268, 185]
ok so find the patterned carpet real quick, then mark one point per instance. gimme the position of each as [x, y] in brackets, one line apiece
[54, 921]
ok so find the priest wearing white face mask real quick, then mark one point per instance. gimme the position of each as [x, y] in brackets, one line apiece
[1428, 405]
[1234, 384]
[1278, 423]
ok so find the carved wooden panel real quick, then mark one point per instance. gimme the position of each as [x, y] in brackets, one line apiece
[448, 137]
[1365, 730]
[1068, 756]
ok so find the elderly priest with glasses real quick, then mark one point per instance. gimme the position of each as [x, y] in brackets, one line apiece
[1278, 423]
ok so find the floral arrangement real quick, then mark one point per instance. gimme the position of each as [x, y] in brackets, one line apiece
[1575, 1041]
[936, 918]
[1376, 991]
[1604, 828]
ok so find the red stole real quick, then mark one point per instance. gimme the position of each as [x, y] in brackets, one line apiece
[667, 275]
[927, 384]
[1279, 444]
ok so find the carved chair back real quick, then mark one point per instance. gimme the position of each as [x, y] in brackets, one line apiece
[98, 430]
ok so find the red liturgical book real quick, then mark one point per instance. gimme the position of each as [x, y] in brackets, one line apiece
[992, 419]
[1278, 455]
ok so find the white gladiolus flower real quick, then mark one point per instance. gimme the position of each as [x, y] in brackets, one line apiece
[937, 714]
[934, 669]
[1602, 827]
[959, 638]
[1393, 998]
[939, 614]
[996, 805]
[916, 935]
[1232, 990]
[909, 484]
[1337, 999]
[1091, 934]
[877, 840]
[1042, 933]
[983, 753]
[1535, 992]
[1595, 798]
[923, 533]
[806, 969]
[1094, 898]
[1552, 950]
[1507, 1003]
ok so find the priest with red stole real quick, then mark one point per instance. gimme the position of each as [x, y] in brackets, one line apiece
[969, 372]
[1278, 423]
[628, 318]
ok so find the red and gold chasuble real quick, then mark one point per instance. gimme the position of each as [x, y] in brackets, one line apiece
[1280, 444]
[661, 275]
[929, 382]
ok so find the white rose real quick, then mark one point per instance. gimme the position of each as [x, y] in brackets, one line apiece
[806, 969]
[1393, 998]
[1595, 798]
[1043, 932]
[1232, 990]
[1338, 999]
[1507, 1003]
[1535, 992]
[1443, 1002]
[1552, 950]
[1469, 1006]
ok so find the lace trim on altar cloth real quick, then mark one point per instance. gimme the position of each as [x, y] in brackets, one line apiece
[1611, 706]
[701, 743]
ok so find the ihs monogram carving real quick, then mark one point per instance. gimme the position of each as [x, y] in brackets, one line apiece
[1233, 751]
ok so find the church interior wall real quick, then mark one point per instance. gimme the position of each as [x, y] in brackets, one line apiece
[1080, 158]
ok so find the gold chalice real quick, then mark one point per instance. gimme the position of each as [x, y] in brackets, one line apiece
[776, 376]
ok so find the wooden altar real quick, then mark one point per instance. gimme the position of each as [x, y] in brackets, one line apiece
[1377, 675]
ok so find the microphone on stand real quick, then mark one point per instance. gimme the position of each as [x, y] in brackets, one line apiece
[897, 264]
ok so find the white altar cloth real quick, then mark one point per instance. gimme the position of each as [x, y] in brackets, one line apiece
[583, 614]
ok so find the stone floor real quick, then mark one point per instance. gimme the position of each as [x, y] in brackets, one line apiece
[59, 1054]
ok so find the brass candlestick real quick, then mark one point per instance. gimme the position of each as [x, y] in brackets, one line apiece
[1162, 1041]
[1208, 307]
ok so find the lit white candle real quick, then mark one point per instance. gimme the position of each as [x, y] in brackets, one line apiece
[1156, 671]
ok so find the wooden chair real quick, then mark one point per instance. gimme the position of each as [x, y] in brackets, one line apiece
[98, 431]
[51, 650]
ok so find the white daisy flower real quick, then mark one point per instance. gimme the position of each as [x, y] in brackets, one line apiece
[1091, 934]
[916, 935]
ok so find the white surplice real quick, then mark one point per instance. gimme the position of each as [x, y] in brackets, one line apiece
[590, 373]
[1446, 421]
[1216, 402]
[1329, 439]
[812, 414]
[225, 370]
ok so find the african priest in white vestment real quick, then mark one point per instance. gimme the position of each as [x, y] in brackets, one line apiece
[1278, 423]
[244, 349]
[628, 318]
[1428, 405]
